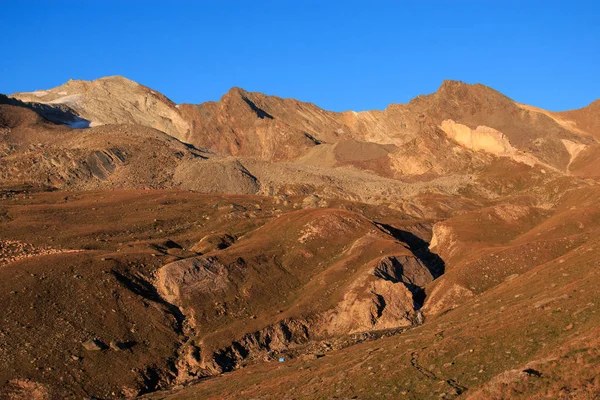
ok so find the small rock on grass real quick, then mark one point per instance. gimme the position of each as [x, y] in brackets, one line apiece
[93, 345]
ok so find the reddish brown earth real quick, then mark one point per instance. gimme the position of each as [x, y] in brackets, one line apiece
[444, 248]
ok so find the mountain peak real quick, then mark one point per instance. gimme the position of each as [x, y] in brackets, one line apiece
[113, 80]
[116, 79]
[236, 91]
[451, 83]
[463, 91]
[454, 86]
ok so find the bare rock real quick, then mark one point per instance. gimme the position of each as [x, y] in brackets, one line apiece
[93, 345]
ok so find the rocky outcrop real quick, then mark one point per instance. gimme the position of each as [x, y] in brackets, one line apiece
[371, 305]
[212, 242]
[274, 339]
[443, 241]
[196, 274]
[408, 270]
[481, 138]
[387, 298]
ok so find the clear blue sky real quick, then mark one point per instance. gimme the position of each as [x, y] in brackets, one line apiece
[338, 54]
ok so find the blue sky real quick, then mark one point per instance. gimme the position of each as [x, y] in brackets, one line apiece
[346, 55]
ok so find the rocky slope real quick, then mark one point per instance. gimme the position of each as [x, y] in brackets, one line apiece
[402, 140]
[444, 248]
[436, 143]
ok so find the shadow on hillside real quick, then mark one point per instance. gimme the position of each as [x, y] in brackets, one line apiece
[60, 114]
[420, 249]
[146, 290]
[262, 114]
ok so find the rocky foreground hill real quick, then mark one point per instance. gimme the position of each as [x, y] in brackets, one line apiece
[260, 247]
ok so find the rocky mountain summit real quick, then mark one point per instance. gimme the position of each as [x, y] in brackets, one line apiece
[262, 247]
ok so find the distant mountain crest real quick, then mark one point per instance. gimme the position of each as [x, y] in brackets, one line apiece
[270, 128]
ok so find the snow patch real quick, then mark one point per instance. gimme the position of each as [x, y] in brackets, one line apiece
[79, 124]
